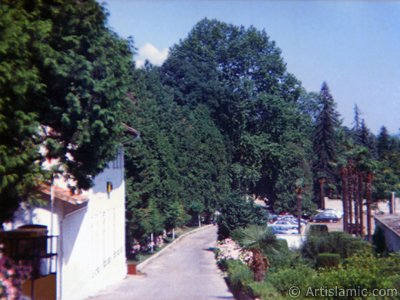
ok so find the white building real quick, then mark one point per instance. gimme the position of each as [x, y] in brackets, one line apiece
[90, 229]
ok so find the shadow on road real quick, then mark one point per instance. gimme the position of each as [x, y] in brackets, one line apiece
[211, 249]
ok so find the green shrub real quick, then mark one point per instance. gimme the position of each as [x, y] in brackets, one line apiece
[284, 279]
[280, 257]
[313, 245]
[327, 260]
[283, 245]
[317, 229]
[334, 242]
[239, 275]
[264, 290]
[240, 279]
[223, 264]
[361, 271]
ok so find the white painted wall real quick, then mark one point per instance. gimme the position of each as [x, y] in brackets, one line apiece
[93, 239]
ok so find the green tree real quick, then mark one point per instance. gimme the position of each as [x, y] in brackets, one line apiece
[365, 138]
[85, 71]
[222, 64]
[179, 162]
[236, 212]
[19, 127]
[324, 144]
[202, 162]
[383, 143]
[64, 79]
[388, 177]
[239, 74]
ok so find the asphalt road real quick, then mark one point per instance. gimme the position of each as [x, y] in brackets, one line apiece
[185, 271]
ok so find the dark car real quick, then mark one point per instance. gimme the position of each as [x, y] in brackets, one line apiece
[325, 217]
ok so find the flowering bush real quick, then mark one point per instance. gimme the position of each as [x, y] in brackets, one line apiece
[228, 249]
[137, 247]
[11, 278]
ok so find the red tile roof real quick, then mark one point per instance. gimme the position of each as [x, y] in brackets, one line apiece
[63, 195]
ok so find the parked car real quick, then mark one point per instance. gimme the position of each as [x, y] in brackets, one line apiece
[272, 217]
[283, 230]
[325, 217]
[293, 220]
[339, 214]
[284, 224]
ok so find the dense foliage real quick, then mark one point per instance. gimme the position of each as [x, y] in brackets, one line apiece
[237, 212]
[240, 76]
[351, 272]
[64, 78]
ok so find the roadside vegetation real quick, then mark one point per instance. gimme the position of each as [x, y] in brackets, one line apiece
[327, 266]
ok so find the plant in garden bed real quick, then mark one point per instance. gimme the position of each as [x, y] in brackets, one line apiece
[239, 276]
[11, 278]
[362, 271]
[333, 242]
[227, 250]
[138, 250]
[327, 260]
[257, 239]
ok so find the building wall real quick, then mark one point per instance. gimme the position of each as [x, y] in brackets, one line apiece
[93, 238]
[392, 240]
[91, 243]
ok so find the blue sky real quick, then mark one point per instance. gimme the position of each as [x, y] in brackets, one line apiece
[352, 45]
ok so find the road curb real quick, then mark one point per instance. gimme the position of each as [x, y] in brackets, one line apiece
[148, 260]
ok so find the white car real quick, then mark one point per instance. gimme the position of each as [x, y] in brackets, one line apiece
[292, 220]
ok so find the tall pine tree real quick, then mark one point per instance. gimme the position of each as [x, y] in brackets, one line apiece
[324, 146]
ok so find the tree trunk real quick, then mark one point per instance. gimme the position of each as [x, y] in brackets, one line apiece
[350, 198]
[369, 200]
[321, 192]
[344, 174]
[361, 205]
[259, 265]
[356, 203]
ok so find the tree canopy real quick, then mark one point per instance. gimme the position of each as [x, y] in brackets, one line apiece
[239, 74]
[64, 80]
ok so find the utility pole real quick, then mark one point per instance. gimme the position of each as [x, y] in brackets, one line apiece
[393, 203]
[321, 192]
